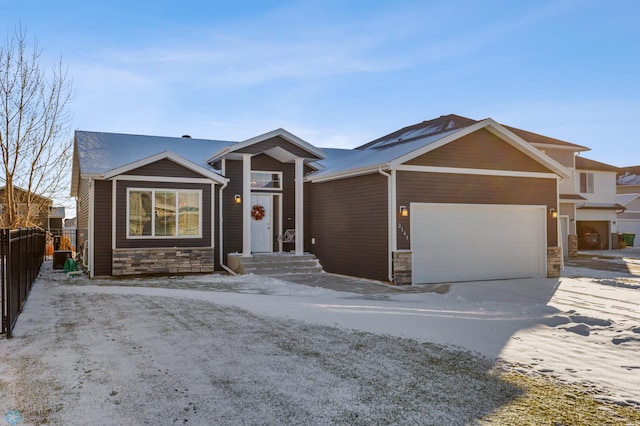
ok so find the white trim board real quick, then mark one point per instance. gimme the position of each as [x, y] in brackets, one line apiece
[467, 171]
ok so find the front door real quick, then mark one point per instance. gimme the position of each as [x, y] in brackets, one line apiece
[261, 236]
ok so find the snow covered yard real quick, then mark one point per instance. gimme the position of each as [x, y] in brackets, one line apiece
[106, 355]
[254, 350]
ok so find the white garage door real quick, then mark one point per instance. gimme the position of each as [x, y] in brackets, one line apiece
[463, 242]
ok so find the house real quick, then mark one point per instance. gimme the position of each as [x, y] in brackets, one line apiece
[450, 199]
[629, 219]
[596, 183]
[587, 196]
[628, 190]
[32, 210]
[628, 180]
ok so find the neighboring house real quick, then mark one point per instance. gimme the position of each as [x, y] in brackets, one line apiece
[587, 197]
[629, 196]
[56, 218]
[629, 220]
[451, 199]
[596, 183]
[38, 211]
[629, 180]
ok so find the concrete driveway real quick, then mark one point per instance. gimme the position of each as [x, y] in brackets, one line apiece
[626, 260]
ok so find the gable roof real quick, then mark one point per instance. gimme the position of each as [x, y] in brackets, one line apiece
[278, 153]
[542, 141]
[100, 152]
[446, 123]
[583, 163]
[410, 142]
[442, 124]
[170, 156]
[632, 170]
[21, 190]
[97, 153]
[629, 175]
[625, 199]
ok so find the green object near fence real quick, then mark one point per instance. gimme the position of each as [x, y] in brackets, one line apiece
[629, 239]
[70, 266]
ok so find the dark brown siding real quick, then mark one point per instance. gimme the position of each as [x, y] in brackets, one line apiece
[102, 228]
[121, 216]
[479, 150]
[232, 218]
[164, 167]
[216, 228]
[349, 224]
[277, 141]
[233, 211]
[473, 189]
[288, 214]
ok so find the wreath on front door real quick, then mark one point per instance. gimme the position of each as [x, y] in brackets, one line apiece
[257, 212]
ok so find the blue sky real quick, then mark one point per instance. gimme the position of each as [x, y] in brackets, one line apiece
[341, 73]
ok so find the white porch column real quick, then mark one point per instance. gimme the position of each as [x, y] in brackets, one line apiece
[246, 205]
[299, 206]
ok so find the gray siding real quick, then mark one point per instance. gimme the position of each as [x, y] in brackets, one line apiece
[349, 224]
[82, 213]
[82, 207]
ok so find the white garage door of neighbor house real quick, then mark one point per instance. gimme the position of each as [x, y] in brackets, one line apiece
[463, 242]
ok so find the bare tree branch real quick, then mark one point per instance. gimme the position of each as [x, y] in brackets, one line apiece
[35, 140]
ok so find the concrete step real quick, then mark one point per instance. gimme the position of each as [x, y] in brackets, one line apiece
[289, 269]
[276, 263]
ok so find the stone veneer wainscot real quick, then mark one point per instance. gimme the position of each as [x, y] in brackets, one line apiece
[162, 261]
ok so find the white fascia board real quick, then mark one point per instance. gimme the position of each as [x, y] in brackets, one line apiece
[166, 155]
[218, 155]
[348, 173]
[83, 176]
[141, 178]
[95, 176]
[467, 171]
[288, 136]
[562, 147]
[527, 149]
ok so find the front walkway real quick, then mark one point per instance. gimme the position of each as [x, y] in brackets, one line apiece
[357, 285]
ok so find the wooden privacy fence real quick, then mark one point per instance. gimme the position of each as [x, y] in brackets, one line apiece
[22, 252]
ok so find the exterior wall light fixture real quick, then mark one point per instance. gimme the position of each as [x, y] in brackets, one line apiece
[404, 212]
[553, 212]
[238, 199]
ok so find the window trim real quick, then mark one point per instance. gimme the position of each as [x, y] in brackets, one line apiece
[589, 183]
[254, 188]
[153, 205]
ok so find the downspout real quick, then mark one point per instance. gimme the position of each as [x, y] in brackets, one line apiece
[220, 234]
[558, 230]
[92, 187]
[390, 222]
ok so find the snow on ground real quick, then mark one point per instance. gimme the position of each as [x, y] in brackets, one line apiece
[102, 334]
